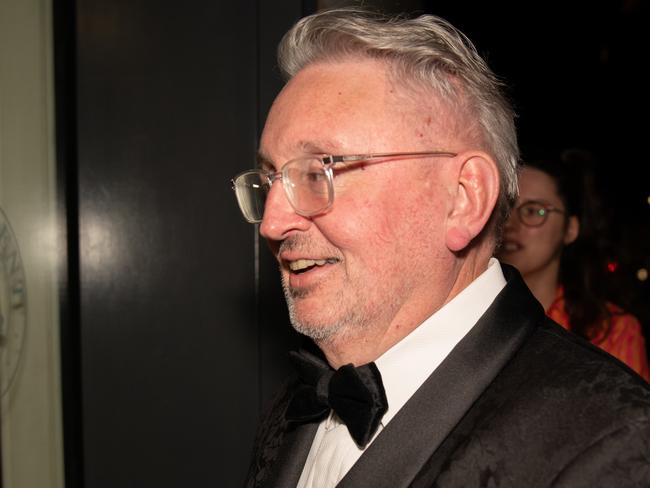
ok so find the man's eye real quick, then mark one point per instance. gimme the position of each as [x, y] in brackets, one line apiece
[314, 176]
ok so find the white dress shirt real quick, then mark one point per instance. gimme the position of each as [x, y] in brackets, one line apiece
[404, 368]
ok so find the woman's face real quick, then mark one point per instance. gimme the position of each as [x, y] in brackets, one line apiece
[530, 249]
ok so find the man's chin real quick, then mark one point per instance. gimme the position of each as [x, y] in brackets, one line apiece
[312, 320]
[319, 333]
[297, 293]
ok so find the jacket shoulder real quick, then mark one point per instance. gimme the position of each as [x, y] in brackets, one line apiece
[561, 409]
[557, 355]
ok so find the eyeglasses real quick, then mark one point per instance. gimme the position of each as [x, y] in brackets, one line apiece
[308, 182]
[534, 214]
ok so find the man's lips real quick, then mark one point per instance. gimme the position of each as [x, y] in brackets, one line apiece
[304, 264]
[307, 273]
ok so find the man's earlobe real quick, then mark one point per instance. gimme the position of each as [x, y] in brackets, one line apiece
[477, 191]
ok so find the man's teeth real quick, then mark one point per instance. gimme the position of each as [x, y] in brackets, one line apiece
[301, 264]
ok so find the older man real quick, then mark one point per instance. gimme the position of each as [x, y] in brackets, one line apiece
[387, 166]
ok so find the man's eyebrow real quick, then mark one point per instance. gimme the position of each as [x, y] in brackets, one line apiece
[317, 147]
[263, 161]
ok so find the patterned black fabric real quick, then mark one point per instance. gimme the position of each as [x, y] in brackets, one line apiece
[270, 435]
[560, 414]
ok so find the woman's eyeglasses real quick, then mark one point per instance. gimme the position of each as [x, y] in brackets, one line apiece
[533, 214]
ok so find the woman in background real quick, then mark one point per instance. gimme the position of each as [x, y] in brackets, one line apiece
[552, 239]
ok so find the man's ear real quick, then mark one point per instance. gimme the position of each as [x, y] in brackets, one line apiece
[572, 230]
[472, 202]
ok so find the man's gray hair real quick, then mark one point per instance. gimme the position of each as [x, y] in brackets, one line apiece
[426, 50]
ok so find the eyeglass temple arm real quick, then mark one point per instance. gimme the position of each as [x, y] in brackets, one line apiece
[366, 157]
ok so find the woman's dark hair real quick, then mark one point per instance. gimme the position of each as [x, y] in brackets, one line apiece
[584, 262]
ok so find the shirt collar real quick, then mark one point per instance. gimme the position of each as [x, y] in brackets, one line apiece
[406, 365]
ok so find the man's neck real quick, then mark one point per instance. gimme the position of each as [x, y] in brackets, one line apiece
[364, 345]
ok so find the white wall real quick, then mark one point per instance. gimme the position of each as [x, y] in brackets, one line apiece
[32, 452]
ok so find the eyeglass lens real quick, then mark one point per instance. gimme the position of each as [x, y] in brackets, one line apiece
[306, 184]
[251, 189]
[532, 214]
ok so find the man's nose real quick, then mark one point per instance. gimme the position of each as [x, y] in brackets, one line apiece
[280, 218]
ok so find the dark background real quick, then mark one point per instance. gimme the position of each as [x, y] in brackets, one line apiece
[574, 75]
[174, 330]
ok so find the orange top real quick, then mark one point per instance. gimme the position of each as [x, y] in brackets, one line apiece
[625, 338]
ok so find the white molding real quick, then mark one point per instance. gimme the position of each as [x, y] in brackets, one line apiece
[32, 445]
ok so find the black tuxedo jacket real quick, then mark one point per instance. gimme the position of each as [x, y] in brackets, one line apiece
[519, 402]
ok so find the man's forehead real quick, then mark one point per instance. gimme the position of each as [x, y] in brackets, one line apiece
[332, 89]
[351, 114]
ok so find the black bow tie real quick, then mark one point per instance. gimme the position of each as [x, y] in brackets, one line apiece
[356, 395]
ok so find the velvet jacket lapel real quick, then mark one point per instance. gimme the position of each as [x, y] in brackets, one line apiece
[396, 456]
[291, 457]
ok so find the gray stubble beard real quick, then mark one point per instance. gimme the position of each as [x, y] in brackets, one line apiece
[320, 333]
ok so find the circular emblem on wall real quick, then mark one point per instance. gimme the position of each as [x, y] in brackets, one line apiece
[13, 305]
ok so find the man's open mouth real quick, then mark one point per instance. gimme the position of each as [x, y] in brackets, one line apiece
[302, 265]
